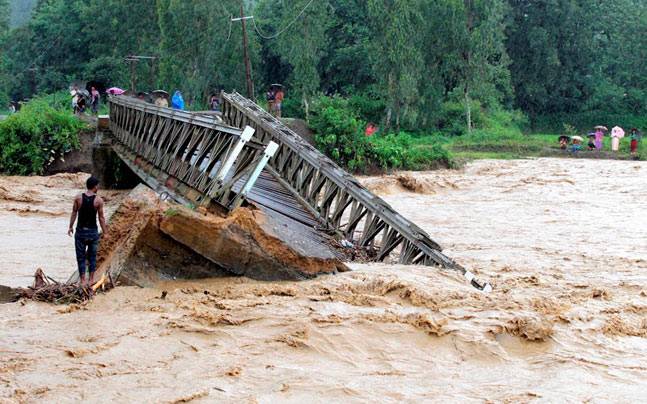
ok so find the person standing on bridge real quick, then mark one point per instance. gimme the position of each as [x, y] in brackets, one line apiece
[177, 102]
[86, 240]
[95, 97]
[278, 100]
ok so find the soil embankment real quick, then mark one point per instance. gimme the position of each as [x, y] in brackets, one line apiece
[560, 240]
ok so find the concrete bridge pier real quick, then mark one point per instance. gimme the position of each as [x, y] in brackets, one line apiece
[111, 171]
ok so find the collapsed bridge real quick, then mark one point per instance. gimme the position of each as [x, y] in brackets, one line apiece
[252, 158]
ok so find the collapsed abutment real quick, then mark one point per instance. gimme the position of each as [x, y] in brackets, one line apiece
[150, 240]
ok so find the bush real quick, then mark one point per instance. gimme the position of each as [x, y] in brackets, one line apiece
[368, 106]
[293, 108]
[339, 132]
[452, 121]
[34, 137]
[401, 152]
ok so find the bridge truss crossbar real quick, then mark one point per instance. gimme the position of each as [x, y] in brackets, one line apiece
[183, 152]
[338, 200]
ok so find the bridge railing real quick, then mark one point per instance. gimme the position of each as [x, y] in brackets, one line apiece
[193, 157]
[337, 199]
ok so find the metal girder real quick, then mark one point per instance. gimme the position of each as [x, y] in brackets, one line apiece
[193, 157]
[332, 194]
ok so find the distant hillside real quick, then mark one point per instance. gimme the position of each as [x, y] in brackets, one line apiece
[21, 12]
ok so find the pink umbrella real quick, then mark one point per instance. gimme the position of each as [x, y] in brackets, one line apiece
[115, 91]
[618, 132]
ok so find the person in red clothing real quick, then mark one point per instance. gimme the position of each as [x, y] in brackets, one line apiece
[371, 128]
[278, 99]
[635, 137]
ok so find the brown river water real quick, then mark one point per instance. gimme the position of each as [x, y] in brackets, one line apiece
[563, 242]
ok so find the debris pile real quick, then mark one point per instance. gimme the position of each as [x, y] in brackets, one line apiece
[46, 289]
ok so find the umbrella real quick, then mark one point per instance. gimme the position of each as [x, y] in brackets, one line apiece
[84, 93]
[160, 93]
[601, 128]
[277, 85]
[115, 91]
[618, 132]
[577, 138]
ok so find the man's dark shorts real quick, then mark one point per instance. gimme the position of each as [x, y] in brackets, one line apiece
[86, 242]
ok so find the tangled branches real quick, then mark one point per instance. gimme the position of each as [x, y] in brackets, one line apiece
[46, 289]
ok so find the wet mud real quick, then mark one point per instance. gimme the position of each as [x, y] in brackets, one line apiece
[562, 242]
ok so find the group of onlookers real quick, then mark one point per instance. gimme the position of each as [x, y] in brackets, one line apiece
[81, 98]
[596, 140]
[160, 98]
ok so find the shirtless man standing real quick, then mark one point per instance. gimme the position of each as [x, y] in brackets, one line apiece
[86, 239]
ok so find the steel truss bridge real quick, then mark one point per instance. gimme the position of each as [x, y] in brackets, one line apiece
[251, 157]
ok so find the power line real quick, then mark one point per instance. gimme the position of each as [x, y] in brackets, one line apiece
[258, 31]
[231, 19]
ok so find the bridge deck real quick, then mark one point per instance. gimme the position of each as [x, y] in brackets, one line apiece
[198, 158]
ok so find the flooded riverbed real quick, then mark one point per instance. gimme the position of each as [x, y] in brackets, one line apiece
[563, 242]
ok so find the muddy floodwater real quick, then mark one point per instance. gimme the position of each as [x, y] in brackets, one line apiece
[563, 242]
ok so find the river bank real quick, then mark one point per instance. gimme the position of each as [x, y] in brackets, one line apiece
[560, 241]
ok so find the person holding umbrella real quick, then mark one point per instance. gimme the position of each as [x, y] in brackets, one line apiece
[278, 99]
[599, 136]
[115, 91]
[617, 133]
[161, 98]
[577, 144]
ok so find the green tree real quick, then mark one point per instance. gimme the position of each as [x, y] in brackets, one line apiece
[295, 32]
[396, 56]
[552, 46]
[201, 48]
[484, 58]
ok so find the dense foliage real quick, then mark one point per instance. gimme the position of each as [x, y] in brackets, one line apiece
[408, 65]
[33, 138]
[340, 134]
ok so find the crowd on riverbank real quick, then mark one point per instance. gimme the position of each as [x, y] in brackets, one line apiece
[574, 144]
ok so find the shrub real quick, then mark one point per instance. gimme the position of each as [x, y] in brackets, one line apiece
[401, 152]
[293, 108]
[452, 121]
[33, 138]
[368, 106]
[339, 132]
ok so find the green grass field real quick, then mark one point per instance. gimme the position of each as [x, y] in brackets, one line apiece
[481, 145]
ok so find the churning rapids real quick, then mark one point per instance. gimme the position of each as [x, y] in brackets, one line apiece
[563, 242]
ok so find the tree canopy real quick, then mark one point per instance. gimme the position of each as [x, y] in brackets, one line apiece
[404, 62]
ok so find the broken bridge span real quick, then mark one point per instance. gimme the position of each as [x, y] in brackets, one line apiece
[250, 157]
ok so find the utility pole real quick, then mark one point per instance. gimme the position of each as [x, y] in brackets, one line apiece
[132, 61]
[133, 73]
[248, 67]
